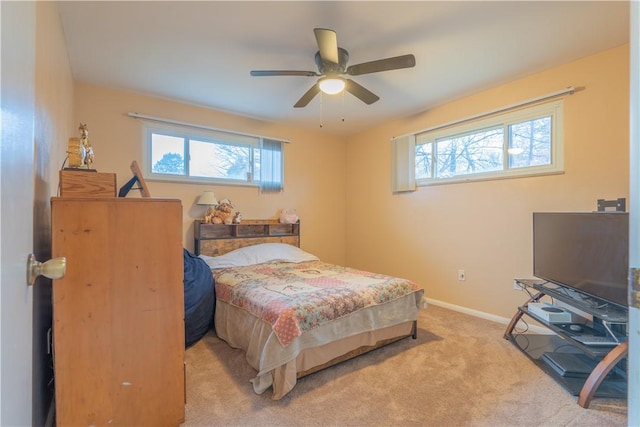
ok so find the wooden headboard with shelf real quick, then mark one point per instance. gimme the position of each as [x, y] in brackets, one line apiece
[218, 239]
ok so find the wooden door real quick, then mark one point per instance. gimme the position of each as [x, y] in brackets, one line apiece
[118, 314]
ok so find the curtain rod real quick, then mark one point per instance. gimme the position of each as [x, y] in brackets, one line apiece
[194, 125]
[570, 90]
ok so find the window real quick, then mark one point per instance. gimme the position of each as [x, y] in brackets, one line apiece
[182, 153]
[523, 142]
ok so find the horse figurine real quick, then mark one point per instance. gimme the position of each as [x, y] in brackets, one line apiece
[88, 150]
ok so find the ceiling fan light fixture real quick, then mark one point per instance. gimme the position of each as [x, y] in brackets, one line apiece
[331, 61]
[331, 85]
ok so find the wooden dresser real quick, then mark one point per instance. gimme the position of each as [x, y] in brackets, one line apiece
[118, 314]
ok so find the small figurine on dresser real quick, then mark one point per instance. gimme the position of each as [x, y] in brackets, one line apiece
[237, 219]
[88, 150]
[80, 151]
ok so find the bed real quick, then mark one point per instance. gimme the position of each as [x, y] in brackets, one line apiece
[294, 314]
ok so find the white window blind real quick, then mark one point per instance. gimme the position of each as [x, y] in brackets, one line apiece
[403, 164]
[271, 166]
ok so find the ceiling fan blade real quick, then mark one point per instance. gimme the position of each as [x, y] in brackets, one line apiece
[395, 63]
[360, 92]
[308, 96]
[327, 44]
[263, 73]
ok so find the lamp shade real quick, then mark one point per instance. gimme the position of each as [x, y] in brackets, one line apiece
[331, 85]
[207, 198]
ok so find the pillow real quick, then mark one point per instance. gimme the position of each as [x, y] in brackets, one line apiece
[259, 254]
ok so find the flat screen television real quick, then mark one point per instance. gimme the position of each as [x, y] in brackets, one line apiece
[588, 252]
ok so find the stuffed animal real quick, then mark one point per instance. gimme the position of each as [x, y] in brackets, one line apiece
[288, 216]
[221, 214]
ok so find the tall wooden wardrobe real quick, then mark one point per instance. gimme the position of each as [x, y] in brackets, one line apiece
[118, 314]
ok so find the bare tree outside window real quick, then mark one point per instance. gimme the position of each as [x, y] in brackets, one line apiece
[530, 143]
[424, 160]
[214, 160]
[470, 153]
[526, 144]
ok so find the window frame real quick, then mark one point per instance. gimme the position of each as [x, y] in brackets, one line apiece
[188, 133]
[550, 109]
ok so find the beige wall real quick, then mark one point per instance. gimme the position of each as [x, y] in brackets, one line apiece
[315, 165]
[54, 99]
[349, 215]
[485, 227]
[53, 91]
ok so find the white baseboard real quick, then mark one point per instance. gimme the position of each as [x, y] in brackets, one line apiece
[487, 316]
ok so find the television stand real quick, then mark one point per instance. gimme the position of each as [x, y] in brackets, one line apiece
[586, 371]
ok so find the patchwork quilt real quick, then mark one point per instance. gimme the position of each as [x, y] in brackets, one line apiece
[296, 297]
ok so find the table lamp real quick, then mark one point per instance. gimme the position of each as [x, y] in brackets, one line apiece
[207, 198]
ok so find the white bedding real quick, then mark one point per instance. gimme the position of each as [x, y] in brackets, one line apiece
[258, 254]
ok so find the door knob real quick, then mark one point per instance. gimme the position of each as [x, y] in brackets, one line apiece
[52, 269]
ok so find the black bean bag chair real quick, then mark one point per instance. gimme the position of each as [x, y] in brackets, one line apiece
[199, 298]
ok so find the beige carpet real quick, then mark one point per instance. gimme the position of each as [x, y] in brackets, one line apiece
[459, 372]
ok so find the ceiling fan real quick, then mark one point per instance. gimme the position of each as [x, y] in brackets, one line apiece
[332, 64]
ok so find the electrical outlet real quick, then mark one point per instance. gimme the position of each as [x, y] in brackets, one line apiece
[461, 275]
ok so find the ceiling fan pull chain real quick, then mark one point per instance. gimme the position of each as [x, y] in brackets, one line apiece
[342, 105]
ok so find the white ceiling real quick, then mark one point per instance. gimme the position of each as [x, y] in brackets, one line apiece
[201, 52]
